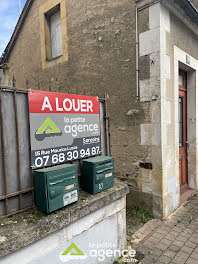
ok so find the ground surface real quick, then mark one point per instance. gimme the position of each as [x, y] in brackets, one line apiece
[175, 240]
[136, 219]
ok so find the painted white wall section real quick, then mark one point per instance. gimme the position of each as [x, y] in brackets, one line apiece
[108, 224]
[154, 16]
[149, 41]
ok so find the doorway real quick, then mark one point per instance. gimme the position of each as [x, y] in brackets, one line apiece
[183, 143]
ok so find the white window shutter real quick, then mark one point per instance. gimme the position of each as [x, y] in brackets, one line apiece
[56, 35]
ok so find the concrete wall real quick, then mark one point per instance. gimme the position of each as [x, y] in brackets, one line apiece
[103, 229]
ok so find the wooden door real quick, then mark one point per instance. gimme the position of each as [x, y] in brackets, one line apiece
[183, 164]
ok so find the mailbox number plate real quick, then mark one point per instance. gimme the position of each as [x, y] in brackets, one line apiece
[108, 175]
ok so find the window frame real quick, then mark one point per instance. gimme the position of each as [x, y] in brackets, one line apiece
[44, 11]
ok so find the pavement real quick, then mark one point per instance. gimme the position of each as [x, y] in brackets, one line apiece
[174, 240]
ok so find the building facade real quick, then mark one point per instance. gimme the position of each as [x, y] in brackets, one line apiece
[144, 54]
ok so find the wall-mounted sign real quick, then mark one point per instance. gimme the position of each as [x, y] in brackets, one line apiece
[63, 127]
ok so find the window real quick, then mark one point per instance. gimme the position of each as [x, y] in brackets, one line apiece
[53, 32]
[56, 34]
[181, 122]
[181, 80]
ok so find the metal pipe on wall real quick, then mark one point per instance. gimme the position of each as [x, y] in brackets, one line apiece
[137, 56]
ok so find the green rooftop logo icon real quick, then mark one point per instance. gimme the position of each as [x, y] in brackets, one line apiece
[47, 129]
[72, 253]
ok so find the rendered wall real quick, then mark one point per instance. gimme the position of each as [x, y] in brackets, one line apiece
[101, 58]
[181, 38]
[2, 77]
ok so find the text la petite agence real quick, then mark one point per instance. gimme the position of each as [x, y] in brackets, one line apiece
[76, 105]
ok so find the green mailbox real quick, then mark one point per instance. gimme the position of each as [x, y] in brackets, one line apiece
[97, 174]
[56, 187]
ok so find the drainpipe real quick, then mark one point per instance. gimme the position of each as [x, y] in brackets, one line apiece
[137, 55]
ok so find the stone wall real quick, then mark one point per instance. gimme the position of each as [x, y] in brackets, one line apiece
[150, 175]
[158, 41]
[101, 59]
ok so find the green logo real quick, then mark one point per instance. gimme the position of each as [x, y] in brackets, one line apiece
[73, 246]
[72, 253]
[47, 129]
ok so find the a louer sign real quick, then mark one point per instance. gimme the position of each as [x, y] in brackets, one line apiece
[63, 127]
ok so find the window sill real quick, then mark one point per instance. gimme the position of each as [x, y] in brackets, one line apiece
[55, 58]
[50, 63]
